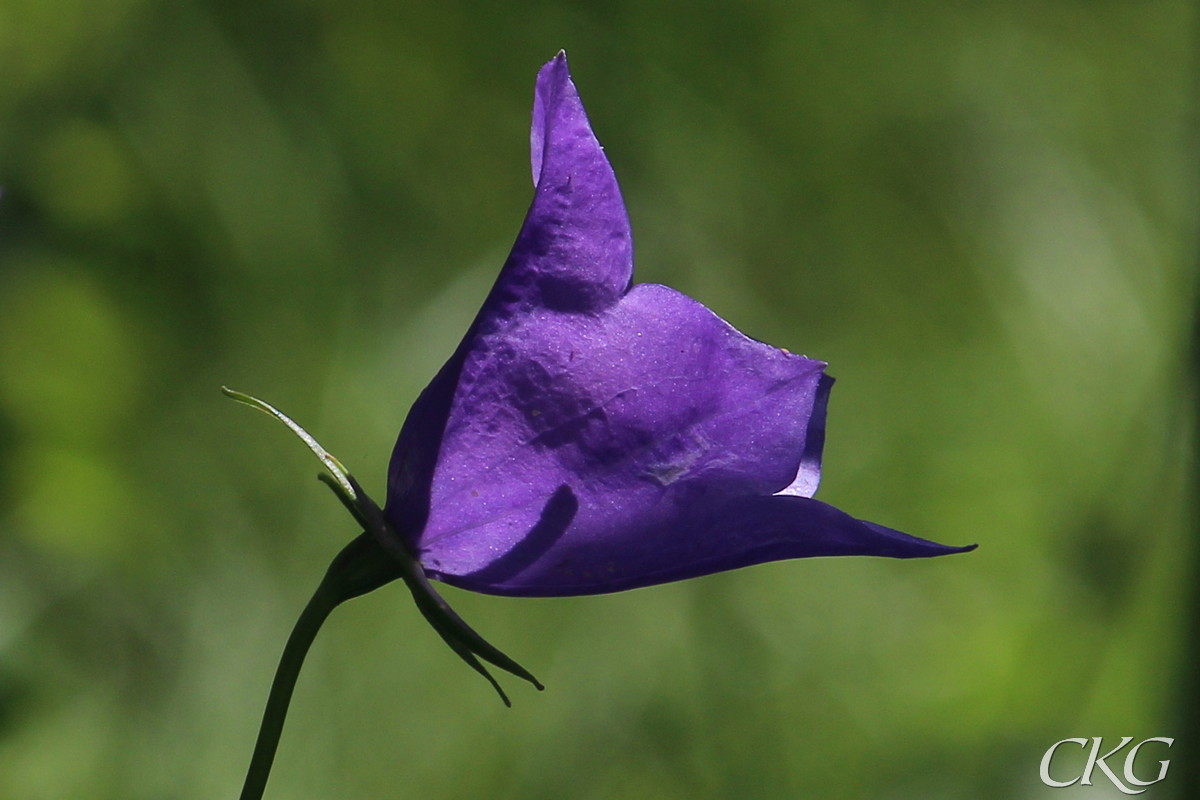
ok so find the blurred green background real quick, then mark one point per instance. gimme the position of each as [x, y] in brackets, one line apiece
[982, 215]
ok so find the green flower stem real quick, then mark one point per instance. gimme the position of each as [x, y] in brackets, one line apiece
[360, 568]
[298, 642]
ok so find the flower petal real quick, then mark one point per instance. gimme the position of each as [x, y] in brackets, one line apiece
[701, 540]
[574, 254]
[575, 251]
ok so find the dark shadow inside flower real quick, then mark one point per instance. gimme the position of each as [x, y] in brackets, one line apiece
[557, 515]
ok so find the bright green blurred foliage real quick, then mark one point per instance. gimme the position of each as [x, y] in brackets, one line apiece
[980, 214]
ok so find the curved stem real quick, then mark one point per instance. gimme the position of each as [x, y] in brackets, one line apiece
[362, 566]
[311, 619]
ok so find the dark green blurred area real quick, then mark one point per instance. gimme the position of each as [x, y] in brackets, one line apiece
[981, 215]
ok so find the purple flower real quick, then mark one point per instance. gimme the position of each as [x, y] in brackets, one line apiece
[589, 435]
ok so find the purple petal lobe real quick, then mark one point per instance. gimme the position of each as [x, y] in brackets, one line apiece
[575, 251]
[703, 540]
[573, 254]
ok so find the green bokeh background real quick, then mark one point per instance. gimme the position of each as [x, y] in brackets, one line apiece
[982, 215]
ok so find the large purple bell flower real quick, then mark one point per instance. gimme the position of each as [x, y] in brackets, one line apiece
[592, 435]
[588, 435]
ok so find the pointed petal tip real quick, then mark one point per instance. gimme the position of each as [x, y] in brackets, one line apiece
[935, 549]
[552, 85]
[559, 62]
[916, 547]
[555, 73]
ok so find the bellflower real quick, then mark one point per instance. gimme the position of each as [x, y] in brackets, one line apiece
[588, 435]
